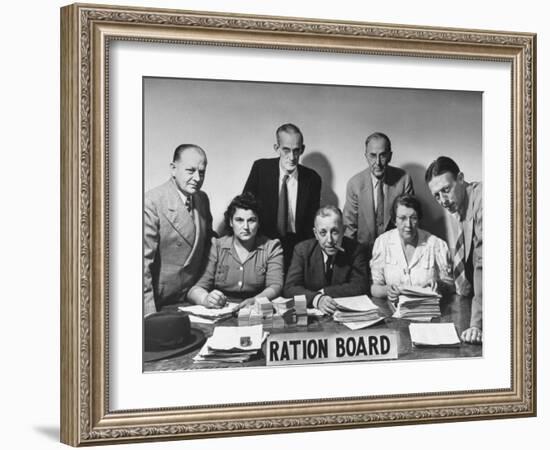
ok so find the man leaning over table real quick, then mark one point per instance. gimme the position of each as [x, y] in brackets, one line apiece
[463, 203]
[328, 266]
[177, 228]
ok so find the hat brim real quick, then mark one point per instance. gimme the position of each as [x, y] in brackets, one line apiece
[197, 340]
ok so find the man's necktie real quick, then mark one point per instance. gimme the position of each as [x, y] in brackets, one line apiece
[282, 211]
[188, 203]
[463, 286]
[328, 270]
[379, 208]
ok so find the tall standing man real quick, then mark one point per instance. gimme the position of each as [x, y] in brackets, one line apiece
[290, 193]
[177, 227]
[463, 202]
[370, 193]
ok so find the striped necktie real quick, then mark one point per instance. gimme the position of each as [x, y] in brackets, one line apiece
[379, 208]
[463, 286]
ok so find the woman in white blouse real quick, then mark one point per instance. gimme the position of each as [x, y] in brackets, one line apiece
[409, 256]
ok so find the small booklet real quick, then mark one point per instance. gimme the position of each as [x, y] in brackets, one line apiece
[434, 335]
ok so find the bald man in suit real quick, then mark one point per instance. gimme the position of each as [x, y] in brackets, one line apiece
[177, 228]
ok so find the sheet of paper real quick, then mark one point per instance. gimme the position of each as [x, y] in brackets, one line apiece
[203, 311]
[357, 303]
[360, 325]
[417, 291]
[433, 334]
[197, 319]
[314, 312]
[227, 338]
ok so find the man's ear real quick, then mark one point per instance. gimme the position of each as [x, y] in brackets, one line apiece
[276, 147]
[460, 177]
[172, 168]
[303, 150]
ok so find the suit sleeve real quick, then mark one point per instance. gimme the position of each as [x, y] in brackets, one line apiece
[351, 208]
[476, 319]
[358, 282]
[252, 182]
[151, 226]
[295, 280]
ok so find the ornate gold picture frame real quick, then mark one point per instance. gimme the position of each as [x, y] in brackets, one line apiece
[87, 34]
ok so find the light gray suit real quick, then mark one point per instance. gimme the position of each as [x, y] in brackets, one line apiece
[175, 245]
[359, 213]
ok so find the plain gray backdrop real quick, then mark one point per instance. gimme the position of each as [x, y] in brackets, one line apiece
[235, 123]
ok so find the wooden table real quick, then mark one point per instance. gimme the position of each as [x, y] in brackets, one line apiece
[454, 309]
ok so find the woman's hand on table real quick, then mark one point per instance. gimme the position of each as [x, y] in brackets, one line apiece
[215, 299]
[393, 292]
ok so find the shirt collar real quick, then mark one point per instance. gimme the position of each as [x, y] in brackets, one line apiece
[375, 180]
[282, 173]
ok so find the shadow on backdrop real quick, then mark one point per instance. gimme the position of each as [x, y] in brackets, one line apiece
[434, 217]
[50, 432]
[319, 162]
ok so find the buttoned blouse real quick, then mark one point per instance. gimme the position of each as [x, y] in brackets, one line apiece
[430, 262]
[238, 280]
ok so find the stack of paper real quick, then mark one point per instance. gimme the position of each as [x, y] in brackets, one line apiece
[232, 344]
[300, 307]
[434, 335]
[357, 312]
[417, 303]
[210, 315]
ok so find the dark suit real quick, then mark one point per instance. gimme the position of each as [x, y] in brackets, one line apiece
[175, 245]
[359, 213]
[263, 182]
[306, 275]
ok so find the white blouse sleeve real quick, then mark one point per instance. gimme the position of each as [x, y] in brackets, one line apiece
[443, 263]
[378, 262]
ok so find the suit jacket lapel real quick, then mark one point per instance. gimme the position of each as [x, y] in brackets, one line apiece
[341, 267]
[301, 199]
[468, 224]
[179, 217]
[318, 266]
[368, 205]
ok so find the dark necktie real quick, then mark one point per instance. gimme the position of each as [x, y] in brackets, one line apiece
[282, 210]
[328, 270]
[188, 203]
[379, 208]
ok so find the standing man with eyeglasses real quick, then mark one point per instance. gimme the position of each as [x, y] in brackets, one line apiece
[370, 193]
[289, 193]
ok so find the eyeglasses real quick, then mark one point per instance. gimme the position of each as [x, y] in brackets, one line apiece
[383, 156]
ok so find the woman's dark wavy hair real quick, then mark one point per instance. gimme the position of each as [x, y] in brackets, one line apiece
[410, 201]
[244, 201]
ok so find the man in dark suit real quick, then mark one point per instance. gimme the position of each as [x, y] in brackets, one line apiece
[289, 193]
[370, 193]
[328, 266]
[177, 228]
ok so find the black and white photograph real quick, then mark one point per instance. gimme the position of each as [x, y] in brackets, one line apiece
[288, 223]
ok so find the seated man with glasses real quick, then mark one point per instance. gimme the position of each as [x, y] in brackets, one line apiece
[370, 193]
[290, 193]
